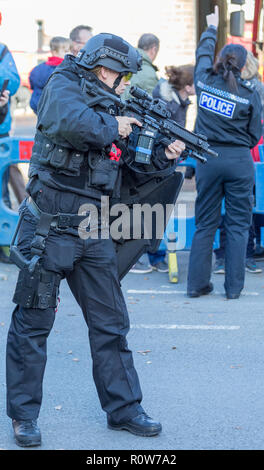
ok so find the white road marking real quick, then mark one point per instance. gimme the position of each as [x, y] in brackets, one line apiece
[184, 327]
[180, 292]
[151, 291]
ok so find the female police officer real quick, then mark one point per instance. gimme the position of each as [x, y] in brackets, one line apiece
[71, 167]
[229, 114]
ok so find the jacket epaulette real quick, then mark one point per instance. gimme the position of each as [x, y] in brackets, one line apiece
[248, 84]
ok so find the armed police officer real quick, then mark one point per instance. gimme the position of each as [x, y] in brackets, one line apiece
[71, 166]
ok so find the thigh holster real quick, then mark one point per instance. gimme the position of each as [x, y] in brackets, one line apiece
[36, 287]
[37, 244]
[39, 289]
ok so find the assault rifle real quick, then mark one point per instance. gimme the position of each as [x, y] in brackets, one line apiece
[155, 119]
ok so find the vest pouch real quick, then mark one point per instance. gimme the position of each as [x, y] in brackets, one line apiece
[43, 152]
[75, 162]
[59, 157]
[104, 174]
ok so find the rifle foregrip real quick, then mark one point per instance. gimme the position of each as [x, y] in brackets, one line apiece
[165, 141]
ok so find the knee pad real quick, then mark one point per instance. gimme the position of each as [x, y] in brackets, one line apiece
[39, 289]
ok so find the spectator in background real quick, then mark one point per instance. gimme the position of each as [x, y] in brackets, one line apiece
[250, 72]
[79, 37]
[4, 105]
[176, 91]
[146, 78]
[8, 71]
[40, 74]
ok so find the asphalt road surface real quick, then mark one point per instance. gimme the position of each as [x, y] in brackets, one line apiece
[200, 363]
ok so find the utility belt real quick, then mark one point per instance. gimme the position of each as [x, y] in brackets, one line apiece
[37, 287]
[60, 222]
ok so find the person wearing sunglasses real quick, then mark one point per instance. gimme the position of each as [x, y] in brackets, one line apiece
[72, 166]
[125, 82]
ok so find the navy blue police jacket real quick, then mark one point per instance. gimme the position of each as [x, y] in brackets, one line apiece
[65, 118]
[226, 117]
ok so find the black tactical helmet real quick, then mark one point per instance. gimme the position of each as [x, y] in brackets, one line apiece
[109, 51]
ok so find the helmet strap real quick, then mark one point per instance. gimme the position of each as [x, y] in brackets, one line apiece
[117, 81]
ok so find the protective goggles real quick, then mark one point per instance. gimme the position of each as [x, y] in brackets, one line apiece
[127, 76]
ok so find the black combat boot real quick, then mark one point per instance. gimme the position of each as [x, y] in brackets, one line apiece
[205, 291]
[141, 425]
[27, 433]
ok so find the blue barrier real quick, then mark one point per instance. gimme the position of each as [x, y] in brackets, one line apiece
[18, 149]
[12, 150]
[259, 188]
[261, 153]
[185, 227]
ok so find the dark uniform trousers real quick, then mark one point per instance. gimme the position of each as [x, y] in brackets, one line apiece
[90, 268]
[230, 176]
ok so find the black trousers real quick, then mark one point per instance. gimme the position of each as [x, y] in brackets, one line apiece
[90, 268]
[220, 252]
[230, 176]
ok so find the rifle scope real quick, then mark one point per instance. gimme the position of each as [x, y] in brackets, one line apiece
[140, 94]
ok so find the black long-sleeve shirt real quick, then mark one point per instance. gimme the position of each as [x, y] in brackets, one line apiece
[224, 116]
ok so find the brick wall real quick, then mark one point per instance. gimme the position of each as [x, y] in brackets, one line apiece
[178, 40]
[177, 32]
[174, 22]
